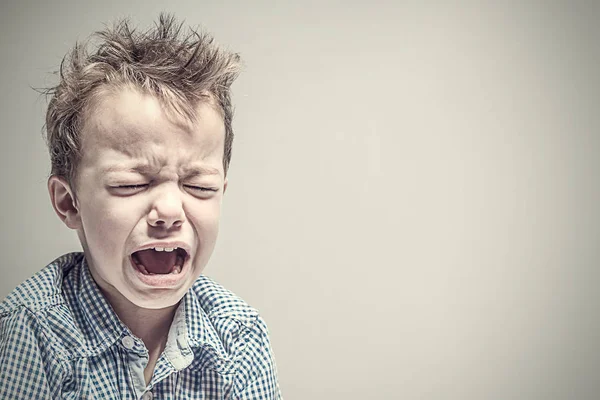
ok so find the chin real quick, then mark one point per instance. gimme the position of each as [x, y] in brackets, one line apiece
[158, 303]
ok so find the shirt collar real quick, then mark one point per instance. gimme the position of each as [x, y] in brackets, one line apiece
[201, 333]
[99, 314]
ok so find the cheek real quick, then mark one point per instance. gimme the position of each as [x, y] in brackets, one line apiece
[205, 216]
[107, 224]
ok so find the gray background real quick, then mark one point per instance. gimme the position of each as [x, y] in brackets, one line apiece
[413, 199]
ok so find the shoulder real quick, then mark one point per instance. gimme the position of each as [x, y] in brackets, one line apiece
[37, 309]
[42, 289]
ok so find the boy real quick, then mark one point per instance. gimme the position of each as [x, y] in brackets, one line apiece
[140, 137]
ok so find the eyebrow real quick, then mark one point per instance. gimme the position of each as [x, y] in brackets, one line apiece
[145, 169]
[196, 171]
[139, 168]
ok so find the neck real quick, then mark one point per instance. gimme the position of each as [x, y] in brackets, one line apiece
[150, 325]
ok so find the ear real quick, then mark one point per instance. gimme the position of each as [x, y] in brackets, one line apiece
[64, 202]
[225, 186]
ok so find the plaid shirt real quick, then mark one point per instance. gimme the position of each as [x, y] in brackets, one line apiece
[59, 338]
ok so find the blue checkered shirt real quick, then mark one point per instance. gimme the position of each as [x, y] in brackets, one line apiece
[60, 339]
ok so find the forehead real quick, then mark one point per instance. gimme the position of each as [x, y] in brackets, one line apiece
[130, 124]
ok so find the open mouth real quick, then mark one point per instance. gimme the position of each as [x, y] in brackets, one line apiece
[160, 260]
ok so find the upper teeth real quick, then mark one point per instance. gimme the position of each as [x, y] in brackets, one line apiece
[165, 248]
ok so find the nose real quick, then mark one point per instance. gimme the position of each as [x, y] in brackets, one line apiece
[167, 208]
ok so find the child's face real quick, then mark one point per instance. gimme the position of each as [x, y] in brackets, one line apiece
[143, 182]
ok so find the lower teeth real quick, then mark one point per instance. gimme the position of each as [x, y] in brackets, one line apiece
[176, 270]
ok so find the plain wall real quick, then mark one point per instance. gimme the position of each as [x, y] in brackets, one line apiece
[413, 196]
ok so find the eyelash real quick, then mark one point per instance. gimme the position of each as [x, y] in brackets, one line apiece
[132, 187]
[200, 188]
[195, 188]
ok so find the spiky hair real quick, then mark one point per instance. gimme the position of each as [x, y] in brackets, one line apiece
[180, 67]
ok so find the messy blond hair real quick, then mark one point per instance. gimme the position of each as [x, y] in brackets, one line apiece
[179, 68]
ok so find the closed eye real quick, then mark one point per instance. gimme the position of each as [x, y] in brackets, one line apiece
[125, 190]
[200, 188]
[132, 187]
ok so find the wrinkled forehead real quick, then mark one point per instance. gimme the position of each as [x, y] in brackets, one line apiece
[127, 120]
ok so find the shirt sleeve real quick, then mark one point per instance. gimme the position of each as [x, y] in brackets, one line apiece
[27, 366]
[257, 372]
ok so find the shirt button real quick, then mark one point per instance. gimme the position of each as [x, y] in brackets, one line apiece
[128, 342]
[147, 396]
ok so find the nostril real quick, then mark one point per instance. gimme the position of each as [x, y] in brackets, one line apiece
[164, 223]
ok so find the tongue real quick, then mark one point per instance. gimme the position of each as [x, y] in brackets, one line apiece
[157, 262]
